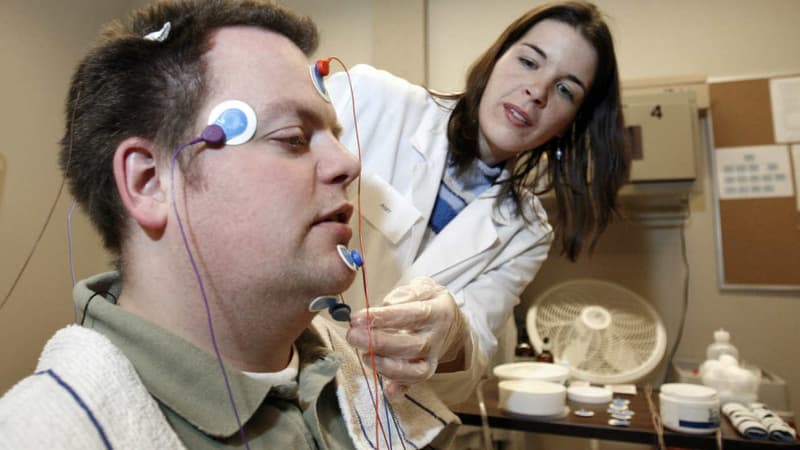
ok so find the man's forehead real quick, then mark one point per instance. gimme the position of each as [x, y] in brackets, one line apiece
[266, 70]
[232, 50]
[254, 63]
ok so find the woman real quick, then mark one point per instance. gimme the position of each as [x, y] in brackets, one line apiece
[450, 183]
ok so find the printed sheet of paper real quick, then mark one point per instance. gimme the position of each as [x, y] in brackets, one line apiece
[785, 96]
[753, 172]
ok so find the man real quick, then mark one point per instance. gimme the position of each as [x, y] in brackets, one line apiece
[221, 244]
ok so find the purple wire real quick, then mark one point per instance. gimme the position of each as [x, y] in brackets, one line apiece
[203, 289]
[69, 252]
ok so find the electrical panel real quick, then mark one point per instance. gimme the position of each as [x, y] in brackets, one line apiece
[663, 131]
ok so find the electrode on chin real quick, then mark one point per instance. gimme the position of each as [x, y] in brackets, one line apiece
[351, 258]
[338, 311]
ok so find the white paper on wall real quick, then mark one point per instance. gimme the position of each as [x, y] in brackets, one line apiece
[785, 96]
[753, 172]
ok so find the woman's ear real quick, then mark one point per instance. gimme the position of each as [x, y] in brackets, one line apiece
[137, 175]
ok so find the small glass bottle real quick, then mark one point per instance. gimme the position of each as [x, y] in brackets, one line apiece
[524, 350]
[721, 346]
[545, 355]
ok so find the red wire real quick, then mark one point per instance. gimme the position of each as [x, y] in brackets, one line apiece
[378, 424]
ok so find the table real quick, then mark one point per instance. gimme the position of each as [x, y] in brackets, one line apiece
[641, 429]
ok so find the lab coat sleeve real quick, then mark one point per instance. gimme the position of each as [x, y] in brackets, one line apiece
[488, 301]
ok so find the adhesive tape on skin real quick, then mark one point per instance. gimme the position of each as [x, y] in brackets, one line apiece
[533, 398]
[589, 394]
[237, 118]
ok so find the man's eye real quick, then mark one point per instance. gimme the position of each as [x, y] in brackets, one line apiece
[295, 141]
[529, 63]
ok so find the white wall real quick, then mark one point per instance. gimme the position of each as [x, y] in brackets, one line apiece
[654, 38]
[384, 33]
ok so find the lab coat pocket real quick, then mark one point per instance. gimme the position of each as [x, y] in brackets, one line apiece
[386, 209]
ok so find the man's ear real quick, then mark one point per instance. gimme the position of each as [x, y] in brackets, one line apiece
[137, 175]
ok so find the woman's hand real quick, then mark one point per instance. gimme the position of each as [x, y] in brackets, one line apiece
[418, 327]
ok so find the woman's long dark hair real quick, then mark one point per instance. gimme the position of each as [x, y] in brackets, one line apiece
[594, 161]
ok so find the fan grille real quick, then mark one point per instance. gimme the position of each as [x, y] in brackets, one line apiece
[630, 346]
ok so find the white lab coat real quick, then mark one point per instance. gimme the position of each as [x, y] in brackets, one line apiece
[485, 257]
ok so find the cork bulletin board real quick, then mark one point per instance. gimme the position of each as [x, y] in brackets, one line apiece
[756, 198]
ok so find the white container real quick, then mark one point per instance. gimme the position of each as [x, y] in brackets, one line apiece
[721, 346]
[689, 408]
[772, 389]
[532, 371]
[543, 399]
[589, 394]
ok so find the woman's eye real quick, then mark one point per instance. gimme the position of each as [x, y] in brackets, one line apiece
[529, 63]
[564, 90]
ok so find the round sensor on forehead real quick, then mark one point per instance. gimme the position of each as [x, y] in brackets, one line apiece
[319, 81]
[236, 118]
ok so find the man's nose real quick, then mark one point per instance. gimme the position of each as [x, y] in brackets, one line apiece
[339, 166]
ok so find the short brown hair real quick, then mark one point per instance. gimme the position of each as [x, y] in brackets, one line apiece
[131, 86]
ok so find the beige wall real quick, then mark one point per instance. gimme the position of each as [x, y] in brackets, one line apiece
[654, 38]
[42, 40]
[385, 33]
[40, 43]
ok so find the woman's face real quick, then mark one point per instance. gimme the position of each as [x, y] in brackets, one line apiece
[535, 90]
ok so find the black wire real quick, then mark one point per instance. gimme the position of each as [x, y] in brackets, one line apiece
[86, 306]
[35, 245]
[685, 289]
[49, 214]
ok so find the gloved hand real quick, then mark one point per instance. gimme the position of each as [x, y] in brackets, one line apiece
[418, 327]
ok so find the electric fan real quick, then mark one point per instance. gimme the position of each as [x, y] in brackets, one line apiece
[605, 333]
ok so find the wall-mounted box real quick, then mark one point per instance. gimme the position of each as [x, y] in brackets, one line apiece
[663, 130]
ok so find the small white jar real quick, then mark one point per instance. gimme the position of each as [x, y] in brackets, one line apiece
[689, 408]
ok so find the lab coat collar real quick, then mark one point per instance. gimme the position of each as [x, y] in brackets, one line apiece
[471, 231]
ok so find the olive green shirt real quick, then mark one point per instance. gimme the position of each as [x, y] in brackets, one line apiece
[187, 383]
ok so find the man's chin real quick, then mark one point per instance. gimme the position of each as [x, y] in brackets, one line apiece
[344, 280]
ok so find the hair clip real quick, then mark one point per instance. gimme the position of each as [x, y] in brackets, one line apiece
[160, 35]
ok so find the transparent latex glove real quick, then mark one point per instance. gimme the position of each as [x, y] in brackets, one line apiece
[418, 327]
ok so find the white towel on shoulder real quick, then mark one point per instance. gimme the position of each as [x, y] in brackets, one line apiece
[85, 394]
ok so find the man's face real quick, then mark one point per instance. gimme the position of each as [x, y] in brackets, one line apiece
[266, 216]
